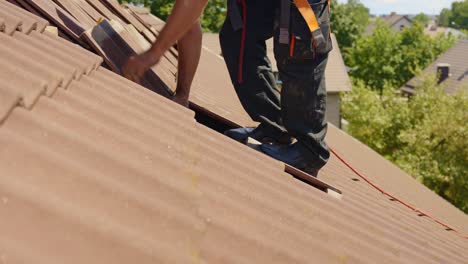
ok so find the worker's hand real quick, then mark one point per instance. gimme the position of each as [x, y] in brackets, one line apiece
[137, 65]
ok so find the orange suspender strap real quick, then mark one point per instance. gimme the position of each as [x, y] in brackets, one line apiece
[309, 16]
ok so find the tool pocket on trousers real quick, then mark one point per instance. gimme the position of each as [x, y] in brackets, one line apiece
[302, 45]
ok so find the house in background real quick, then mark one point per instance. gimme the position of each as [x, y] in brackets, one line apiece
[398, 22]
[433, 30]
[336, 75]
[451, 68]
[394, 21]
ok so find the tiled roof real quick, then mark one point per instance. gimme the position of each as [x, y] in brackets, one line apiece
[101, 170]
[457, 58]
[336, 75]
[392, 19]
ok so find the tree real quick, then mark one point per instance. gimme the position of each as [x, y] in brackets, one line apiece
[422, 18]
[444, 17]
[391, 58]
[212, 18]
[459, 15]
[425, 136]
[214, 15]
[348, 21]
[456, 17]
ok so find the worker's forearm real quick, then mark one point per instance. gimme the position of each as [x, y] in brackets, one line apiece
[184, 14]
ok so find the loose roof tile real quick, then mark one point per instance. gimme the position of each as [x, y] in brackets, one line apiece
[77, 12]
[90, 10]
[103, 10]
[58, 16]
[115, 47]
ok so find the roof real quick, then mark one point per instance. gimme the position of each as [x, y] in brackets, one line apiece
[390, 20]
[97, 169]
[457, 58]
[336, 74]
[394, 18]
[433, 30]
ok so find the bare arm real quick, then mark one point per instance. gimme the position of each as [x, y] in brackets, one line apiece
[184, 15]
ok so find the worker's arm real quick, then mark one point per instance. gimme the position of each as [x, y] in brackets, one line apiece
[184, 15]
[189, 47]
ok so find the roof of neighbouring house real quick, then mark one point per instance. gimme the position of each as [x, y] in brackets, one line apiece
[457, 58]
[336, 75]
[97, 169]
[433, 30]
[394, 18]
[389, 20]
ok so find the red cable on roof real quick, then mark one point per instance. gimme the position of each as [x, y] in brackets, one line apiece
[394, 198]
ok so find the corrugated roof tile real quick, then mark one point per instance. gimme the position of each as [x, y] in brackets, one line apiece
[11, 22]
[27, 23]
[28, 85]
[35, 22]
[31, 59]
[74, 50]
[59, 17]
[9, 98]
[65, 57]
[118, 174]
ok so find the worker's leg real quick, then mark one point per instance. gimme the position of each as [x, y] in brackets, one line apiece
[189, 47]
[253, 79]
[301, 65]
[303, 103]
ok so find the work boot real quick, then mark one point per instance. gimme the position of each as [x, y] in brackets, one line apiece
[242, 134]
[293, 155]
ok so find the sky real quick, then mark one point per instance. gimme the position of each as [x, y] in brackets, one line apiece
[379, 7]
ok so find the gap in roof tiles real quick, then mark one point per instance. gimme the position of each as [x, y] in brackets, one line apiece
[219, 125]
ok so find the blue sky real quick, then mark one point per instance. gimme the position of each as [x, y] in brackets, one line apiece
[406, 6]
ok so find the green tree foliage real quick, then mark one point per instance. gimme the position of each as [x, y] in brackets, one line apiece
[456, 17]
[459, 16]
[212, 18]
[422, 19]
[444, 17]
[348, 21]
[426, 136]
[391, 58]
[161, 8]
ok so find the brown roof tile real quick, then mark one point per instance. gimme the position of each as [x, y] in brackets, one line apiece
[58, 16]
[9, 98]
[41, 23]
[11, 22]
[78, 13]
[98, 6]
[117, 174]
[29, 21]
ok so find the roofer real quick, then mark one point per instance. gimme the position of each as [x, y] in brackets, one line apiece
[183, 27]
[301, 32]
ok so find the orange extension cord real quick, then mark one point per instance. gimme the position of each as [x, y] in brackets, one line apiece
[421, 213]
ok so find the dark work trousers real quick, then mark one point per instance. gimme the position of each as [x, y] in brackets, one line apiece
[300, 109]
